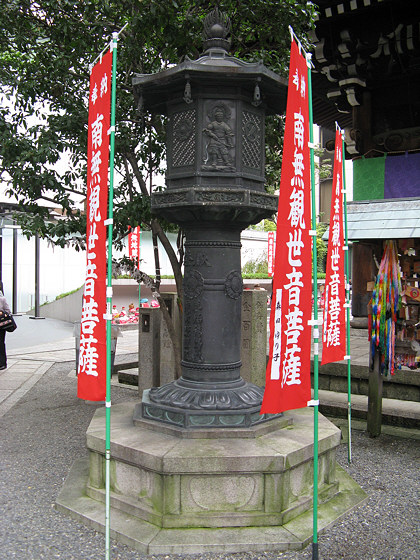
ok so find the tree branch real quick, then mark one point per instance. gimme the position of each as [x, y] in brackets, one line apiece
[130, 156]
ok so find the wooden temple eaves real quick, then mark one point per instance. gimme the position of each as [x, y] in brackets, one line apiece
[367, 72]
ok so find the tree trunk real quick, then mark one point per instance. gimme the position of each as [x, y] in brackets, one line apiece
[157, 232]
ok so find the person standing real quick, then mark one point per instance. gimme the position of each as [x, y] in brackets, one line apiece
[3, 358]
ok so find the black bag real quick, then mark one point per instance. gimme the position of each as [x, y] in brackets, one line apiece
[7, 323]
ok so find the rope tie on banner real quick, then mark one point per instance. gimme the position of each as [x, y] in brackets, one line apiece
[308, 56]
[111, 45]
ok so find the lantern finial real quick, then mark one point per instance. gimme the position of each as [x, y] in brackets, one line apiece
[216, 29]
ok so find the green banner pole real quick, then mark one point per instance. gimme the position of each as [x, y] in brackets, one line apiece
[109, 300]
[139, 268]
[315, 401]
[347, 276]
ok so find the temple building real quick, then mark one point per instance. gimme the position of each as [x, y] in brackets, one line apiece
[367, 80]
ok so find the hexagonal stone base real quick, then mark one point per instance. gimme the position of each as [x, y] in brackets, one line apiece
[183, 495]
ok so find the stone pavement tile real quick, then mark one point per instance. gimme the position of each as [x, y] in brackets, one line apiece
[65, 350]
[359, 348]
[43, 348]
[22, 367]
[11, 360]
[51, 356]
[20, 391]
[4, 394]
[13, 381]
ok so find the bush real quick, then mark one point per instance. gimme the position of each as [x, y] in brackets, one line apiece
[256, 275]
[256, 266]
[60, 296]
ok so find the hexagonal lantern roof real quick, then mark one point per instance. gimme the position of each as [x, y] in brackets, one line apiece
[215, 68]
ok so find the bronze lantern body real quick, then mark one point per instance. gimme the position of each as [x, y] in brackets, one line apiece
[216, 108]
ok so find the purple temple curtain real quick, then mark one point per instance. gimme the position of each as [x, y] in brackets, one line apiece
[402, 176]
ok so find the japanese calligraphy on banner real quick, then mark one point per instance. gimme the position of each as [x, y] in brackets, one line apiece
[334, 323]
[288, 371]
[92, 355]
[270, 252]
[134, 245]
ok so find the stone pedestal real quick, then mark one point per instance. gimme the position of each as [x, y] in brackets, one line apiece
[221, 490]
[254, 336]
[149, 348]
[167, 357]
[156, 355]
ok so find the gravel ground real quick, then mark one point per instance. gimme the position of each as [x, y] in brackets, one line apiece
[45, 432]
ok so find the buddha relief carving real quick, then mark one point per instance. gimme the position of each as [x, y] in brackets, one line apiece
[219, 146]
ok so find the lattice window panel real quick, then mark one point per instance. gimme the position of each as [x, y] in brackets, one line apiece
[184, 132]
[251, 140]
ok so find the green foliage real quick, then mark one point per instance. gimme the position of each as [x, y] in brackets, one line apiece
[256, 276]
[264, 225]
[324, 163]
[321, 246]
[61, 296]
[256, 266]
[46, 47]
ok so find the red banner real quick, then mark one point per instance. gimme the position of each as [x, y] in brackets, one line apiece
[334, 324]
[134, 245]
[92, 355]
[288, 384]
[271, 251]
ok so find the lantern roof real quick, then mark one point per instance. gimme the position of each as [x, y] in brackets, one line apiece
[214, 68]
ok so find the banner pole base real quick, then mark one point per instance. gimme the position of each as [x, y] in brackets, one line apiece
[315, 551]
[349, 433]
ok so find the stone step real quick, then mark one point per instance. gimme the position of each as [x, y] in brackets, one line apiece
[129, 376]
[394, 412]
[404, 385]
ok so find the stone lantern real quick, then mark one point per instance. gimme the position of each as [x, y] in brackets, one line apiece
[216, 108]
[195, 468]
